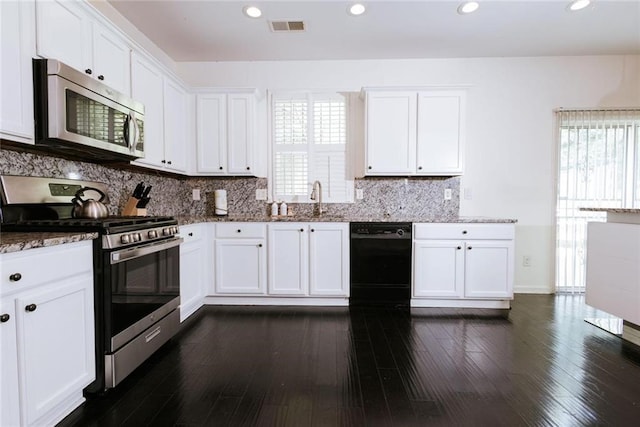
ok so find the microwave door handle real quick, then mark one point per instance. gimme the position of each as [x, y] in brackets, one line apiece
[136, 133]
[125, 130]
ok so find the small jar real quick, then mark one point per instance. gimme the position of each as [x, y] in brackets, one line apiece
[283, 209]
[274, 209]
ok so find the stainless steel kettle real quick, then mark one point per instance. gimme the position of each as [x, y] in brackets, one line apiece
[89, 208]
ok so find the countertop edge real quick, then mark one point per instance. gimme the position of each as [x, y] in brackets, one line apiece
[187, 220]
[11, 242]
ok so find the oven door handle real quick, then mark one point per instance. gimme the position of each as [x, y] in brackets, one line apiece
[140, 251]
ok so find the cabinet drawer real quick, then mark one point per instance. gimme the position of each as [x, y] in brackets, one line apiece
[192, 232]
[241, 230]
[463, 231]
[32, 267]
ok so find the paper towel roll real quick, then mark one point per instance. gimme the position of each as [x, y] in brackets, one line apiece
[220, 202]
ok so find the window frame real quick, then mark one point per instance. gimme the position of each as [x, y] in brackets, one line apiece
[310, 147]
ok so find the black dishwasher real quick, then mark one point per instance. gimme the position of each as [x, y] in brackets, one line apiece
[380, 263]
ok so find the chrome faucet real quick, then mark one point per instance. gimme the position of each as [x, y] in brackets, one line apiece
[316, 194]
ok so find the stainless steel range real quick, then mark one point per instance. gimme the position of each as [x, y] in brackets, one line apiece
[136, 264]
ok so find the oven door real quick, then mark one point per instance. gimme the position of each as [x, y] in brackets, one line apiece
[144, 286]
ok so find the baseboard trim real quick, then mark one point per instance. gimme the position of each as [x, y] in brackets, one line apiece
[293, 301]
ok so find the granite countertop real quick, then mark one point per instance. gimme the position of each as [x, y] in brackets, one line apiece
[185, 220]
[19, 241]
[612, 210]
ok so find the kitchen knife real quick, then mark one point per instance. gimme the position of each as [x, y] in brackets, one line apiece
[142, 203]
[146, 192]
[137, 193]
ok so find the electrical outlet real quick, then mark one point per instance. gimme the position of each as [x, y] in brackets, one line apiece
[526, 261]
[261, 194]
[196, 194]
[359, 193]
[447, 194]
[468, 194]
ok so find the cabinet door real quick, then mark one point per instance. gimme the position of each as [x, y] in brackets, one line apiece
[391, 133]
[17, 46]
[240, 266]
[63, 33]
[488, 269]
[9, 389]
[288, 259]
[240, 111]
[438, 268]
[175, 126]
[329, 259]
[211, 138]
[192, 262]
[147, 87]
[111, 59]
[56, 342]
[440, 132]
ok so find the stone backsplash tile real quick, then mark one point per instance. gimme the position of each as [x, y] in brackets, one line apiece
[173, 196]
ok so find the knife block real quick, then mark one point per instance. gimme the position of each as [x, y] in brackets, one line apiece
[130, 208]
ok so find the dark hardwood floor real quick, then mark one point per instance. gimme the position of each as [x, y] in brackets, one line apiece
[543, 365]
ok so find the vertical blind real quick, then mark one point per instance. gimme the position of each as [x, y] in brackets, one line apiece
[598, 166]
[309, 143]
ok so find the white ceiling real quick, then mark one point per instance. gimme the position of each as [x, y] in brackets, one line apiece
[207, 30]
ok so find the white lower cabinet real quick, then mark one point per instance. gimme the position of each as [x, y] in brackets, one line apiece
[240, 259]
[463, 265]
[47, 332]
[329, 259]
[288, 263]
[280, 263]
[309, 259]
[193, 273]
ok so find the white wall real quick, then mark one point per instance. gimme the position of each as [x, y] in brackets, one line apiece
[510, 154]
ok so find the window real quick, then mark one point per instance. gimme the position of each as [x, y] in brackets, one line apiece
[310, 144]
[599, 166]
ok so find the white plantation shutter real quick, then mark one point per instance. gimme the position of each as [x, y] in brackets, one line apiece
[309, 144]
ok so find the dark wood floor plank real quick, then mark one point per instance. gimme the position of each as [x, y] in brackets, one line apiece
[321, 366]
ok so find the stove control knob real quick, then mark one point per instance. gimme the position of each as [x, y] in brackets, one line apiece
[135, 237]
[175, 230]
[124, 239]
[153, 234]
[139, 236]
[166, 232]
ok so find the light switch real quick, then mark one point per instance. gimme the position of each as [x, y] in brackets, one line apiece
[359, 193]
[196, 194]
[447, 194]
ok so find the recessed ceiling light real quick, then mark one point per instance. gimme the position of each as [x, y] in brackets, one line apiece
[578, 5]
[468, 7]
[252, 12]
[357, 9]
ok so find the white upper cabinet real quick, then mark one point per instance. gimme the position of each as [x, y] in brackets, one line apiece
[66, 31]
[176, 109]
[225, 133]
[111, 59]
[440, 141]
[147, 87]
[211, 133]
[166, 109]
[17, 47]
[414, 132]
[391, 133]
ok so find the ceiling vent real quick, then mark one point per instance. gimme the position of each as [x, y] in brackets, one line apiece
[286, 26]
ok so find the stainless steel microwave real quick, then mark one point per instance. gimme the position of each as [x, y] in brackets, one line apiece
[82, 117]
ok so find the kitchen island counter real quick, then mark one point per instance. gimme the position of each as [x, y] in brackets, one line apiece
[19, 241]
[186, 219]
